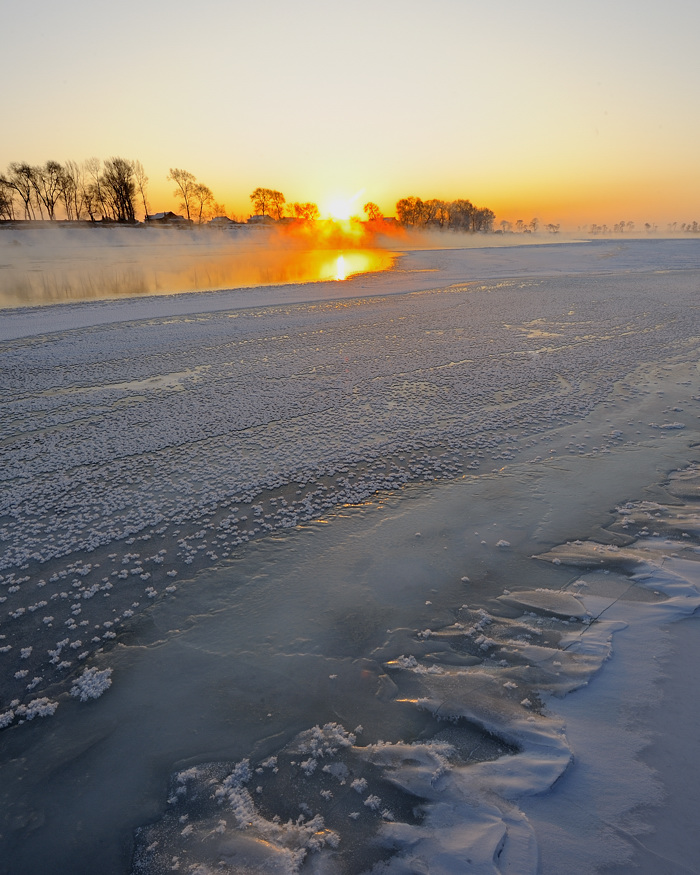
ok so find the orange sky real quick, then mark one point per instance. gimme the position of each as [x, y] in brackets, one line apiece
[571, 113]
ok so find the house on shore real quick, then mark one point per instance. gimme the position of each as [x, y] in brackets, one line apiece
[170, 219]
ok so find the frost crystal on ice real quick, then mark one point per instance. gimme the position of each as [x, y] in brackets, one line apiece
[91, 684]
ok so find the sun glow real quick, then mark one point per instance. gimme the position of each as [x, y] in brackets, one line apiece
[341, 210]
[344, 208]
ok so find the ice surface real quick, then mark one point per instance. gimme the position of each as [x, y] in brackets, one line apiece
[221, 507]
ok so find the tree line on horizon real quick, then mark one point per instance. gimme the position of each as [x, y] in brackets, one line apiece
[112, 190]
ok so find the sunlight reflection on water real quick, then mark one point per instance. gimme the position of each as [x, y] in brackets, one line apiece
[33, 273]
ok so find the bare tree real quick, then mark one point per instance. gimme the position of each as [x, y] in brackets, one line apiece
[141, 185]
[185, 182]
[73, 190]
[119, 187]
[306, 211]
[410, 210]
[47, 182]
[372, 211]
[94, 196]
[460, 214]
[7, 205]
[267, 200]
[20, 180]
[434, 212]
[202, 199]
[482, 220]
[278, 203]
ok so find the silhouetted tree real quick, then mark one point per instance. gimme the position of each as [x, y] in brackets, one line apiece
[460, 214]
[46, 182]
[435, 212]
[202, 198]
[266, 201]
[185, 182]
[141, 185]
[94, 196]
[73, 190]
[410, 211]
[307, 211]
[482, 220]
[372, 211]
[20, 180]
[7, 205]
[278, 203]
[119, 188]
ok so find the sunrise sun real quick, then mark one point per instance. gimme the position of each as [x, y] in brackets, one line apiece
[340, 210]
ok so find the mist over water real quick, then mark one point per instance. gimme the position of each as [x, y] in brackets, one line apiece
[52, 266]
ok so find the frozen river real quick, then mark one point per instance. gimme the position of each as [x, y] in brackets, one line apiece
[268, 590]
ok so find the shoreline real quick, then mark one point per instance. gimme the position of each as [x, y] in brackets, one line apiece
[418, 270]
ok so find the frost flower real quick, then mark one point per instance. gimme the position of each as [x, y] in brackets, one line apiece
[91, 684]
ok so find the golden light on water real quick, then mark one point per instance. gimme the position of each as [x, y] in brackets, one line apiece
[341, 271]
[77, 268]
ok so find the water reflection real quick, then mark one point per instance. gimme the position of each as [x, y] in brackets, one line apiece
[38, 269]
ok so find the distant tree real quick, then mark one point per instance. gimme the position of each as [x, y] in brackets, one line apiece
[410, 211]
[141, 185]
[553, 229]
[307, 211]
[7, 206]
[520, 225]
[262, 200]
[218, 209]
[461, 212]
[534, 225]
[482, 220]
[46, 182]
[202, 199]
[119, 188]
[20, 180]
[185, 182]
[278, 203]
[505, 225]
[73, 190]
[372, 211]
[267, 201]
[94, 198]
[434, 212]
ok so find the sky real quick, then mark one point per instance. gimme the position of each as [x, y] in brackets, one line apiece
[566, 111]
